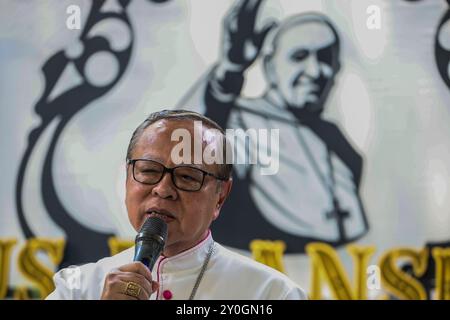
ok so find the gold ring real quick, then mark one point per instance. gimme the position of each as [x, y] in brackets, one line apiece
[132, 289]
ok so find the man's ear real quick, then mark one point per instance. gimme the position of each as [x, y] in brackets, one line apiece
[224, 192]
[128, 169]
[269, 70]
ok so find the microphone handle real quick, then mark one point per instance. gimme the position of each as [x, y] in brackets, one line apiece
[148, 251]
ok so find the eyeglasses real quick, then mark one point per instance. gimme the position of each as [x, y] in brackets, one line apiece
[185, 178]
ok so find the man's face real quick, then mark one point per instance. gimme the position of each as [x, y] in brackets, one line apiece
[191, 212]
[301, 66]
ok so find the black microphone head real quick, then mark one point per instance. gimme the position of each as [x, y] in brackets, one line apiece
[154, 226]
[150, 241]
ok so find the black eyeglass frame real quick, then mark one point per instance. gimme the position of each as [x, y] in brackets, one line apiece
[170, 170]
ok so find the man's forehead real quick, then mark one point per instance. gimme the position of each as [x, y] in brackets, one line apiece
[166, 134]
[309, 35]
[158, 141]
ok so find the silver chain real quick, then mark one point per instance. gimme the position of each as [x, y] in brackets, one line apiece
[202, 272]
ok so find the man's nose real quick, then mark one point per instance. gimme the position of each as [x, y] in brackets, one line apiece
[165, 188]
[312, 68]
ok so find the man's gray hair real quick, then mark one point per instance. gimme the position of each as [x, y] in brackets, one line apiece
[225, 169]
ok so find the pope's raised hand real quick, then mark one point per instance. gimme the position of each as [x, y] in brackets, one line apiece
[241, 41]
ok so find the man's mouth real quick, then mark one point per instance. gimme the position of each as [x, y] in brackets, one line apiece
[162, 214]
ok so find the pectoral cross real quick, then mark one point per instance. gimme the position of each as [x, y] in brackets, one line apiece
[340, 216]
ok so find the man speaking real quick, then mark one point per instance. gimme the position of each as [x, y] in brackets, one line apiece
[188, 197]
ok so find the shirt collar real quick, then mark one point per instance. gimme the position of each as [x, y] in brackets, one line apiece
[189, 259]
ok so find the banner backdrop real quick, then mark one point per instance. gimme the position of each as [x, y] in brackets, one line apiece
[358, 206]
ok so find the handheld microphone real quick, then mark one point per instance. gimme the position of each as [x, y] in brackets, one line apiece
[150, 241]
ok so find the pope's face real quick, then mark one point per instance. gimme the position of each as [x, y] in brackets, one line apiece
[301, 66]
[188, 214]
